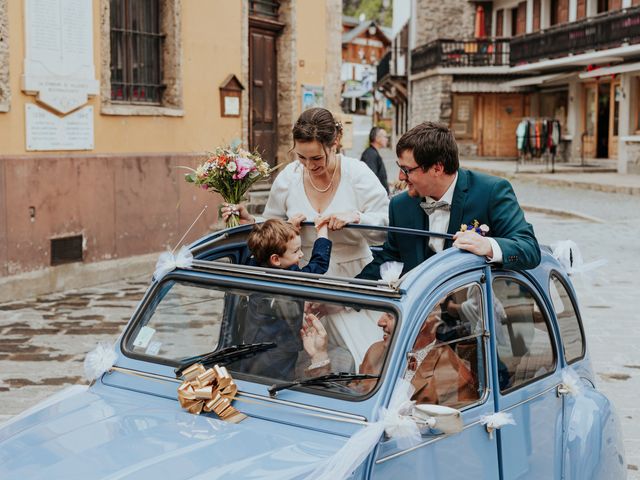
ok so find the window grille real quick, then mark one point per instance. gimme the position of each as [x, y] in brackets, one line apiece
[264, 8]
[136, 51]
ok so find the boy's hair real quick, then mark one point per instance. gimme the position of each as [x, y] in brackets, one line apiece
[431, 143]
[268, 238]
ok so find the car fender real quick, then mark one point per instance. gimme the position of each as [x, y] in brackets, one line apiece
[593, 437]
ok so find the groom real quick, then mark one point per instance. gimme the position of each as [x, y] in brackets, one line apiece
[440, 197]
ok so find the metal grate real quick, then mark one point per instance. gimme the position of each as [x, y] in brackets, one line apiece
[66, 250]
[265, 8]
[136, 51]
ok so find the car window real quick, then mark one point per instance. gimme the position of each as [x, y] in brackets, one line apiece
[524, 347]
[312, 338]
[568, 322]
[446, 364]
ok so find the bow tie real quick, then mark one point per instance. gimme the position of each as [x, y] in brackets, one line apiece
[430, 205]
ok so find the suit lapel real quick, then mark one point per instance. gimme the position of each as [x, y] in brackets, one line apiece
[457, 204]
[421, 223]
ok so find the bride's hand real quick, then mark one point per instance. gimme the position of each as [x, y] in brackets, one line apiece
[337, 221]
[314, 338]
[239, 209]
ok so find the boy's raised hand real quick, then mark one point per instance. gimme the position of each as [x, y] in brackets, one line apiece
[322, 227]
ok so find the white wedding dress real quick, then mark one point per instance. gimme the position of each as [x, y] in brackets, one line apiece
[359, 190]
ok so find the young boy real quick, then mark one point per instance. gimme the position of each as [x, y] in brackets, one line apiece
[276, 244]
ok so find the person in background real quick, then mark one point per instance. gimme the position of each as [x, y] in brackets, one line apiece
[371, 156]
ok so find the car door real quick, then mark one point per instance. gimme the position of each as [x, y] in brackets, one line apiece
[526, 380]
[446, 361]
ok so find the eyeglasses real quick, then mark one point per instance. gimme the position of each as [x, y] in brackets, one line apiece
[407, 170]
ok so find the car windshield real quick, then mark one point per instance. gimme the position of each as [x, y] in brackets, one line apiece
[311, 337]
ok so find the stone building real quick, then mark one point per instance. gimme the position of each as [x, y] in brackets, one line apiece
[103, 101]
[482, 67]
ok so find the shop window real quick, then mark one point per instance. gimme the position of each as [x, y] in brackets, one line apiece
[462, 122]
[141, 55]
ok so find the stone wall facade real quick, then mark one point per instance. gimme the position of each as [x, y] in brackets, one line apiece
[431, 100]
[444, 19]
[630, 154]
[5, 90]
[287, 78]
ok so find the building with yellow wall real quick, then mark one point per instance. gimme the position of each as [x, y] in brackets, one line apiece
[102, 102]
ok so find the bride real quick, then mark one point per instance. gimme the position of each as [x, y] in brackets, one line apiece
[340, 190]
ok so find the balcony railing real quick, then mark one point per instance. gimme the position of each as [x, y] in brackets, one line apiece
[595, 33]
[460, 53]
[393, 63]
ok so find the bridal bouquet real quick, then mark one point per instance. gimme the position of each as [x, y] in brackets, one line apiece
[230, 171]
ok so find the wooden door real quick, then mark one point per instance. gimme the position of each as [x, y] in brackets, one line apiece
[614, 117]
[263, 114]
[590, 120]
[500, 115]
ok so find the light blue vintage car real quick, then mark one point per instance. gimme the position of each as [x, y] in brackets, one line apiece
[503, 350]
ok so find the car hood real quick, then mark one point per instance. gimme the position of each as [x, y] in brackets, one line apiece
[128, 435]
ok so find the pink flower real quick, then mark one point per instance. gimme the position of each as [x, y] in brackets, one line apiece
[245, 165]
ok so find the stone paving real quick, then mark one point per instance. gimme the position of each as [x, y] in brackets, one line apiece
[43, 341]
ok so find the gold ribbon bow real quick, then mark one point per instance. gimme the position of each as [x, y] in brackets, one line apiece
[210, 390]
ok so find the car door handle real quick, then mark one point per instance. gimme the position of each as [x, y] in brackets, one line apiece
[562, 390]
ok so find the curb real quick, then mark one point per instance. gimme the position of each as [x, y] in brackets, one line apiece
[561, 213]
[556, 182]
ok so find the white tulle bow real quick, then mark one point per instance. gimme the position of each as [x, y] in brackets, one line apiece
[99, 360]
[569, 255]
[392, 420]
[497, 420]
[168, 262]
[571, 381]
[390, 272]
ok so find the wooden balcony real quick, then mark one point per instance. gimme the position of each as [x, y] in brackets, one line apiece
[392, 75]
[492, 52]
[608, 30]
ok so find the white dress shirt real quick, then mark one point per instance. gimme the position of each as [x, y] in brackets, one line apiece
[439, 222]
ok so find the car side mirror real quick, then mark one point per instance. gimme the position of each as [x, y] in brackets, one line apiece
[437, 419]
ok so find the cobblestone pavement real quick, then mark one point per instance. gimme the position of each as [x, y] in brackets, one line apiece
[43, 341]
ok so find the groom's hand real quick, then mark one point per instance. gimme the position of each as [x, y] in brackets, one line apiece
[474, 243]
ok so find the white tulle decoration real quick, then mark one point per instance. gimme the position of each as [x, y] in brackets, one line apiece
[99, 360]
[393, 421]
[571, 381]
[168, 262]
[497, 420]
[390, 271]
[569, 255]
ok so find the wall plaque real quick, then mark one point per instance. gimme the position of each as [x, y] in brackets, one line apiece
[47, 131]
[58, 64]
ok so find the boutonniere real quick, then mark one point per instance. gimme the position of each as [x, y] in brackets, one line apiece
[476, 227]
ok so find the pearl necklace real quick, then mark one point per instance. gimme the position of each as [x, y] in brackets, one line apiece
[319, 190]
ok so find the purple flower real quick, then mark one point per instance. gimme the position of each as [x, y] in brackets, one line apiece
[245, 165]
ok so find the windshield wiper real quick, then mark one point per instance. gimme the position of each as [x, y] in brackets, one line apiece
[320, 380]
[224, 356]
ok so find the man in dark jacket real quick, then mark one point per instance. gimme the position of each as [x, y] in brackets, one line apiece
[440, 197]
[377, 139]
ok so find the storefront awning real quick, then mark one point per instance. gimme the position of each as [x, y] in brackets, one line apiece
[623, 68]
[538, 80]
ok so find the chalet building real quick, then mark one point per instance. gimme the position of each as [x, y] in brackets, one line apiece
[103, 101]
[483, 67]
[364, 44]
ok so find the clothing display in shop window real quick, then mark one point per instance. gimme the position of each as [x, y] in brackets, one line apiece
[536, 137]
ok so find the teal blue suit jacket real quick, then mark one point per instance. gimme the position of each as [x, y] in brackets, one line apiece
[488, 199]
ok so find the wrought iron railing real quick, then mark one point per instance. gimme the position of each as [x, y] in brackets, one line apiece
[594, 33]
[460, 53]
[393, 63]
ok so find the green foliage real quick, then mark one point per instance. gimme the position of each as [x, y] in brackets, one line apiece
[373, 10]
